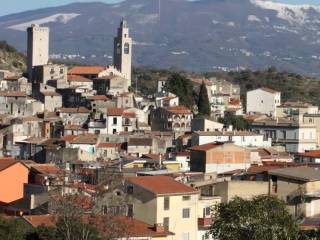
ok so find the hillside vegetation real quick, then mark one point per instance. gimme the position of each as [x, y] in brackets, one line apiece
[293, 86]
[11, 59]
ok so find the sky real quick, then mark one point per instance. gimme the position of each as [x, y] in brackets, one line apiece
[14, 6]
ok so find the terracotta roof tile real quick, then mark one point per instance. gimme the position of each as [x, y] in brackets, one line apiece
[179, 110]
[115, 111]
[311, 154]
[79, 70]
[107, 145]
[13, 94]
[7, 162]
[162, 185]
[41, 220]
[46, 168]
[50, 94]
[68, 138]
[129, 114]
[206, 147]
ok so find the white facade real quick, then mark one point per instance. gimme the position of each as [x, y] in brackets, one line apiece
[38, 47]
[296, 137]
[123, 51]
[243, 139]
[263, 100]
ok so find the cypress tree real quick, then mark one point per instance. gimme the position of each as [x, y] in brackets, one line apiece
[203, 101]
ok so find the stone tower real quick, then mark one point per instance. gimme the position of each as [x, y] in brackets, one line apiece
[123, 51]
[38, 47]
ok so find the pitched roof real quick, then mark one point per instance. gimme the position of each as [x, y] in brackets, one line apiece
[13, 94]
[115, 111]
[107, 145]
[73, 127]
[85, 139]
[179, 110]
[98, 98]
[310, 153]
[206, 147]
[41, 220]
[49, 169]
[270, 90]
[86, 70]
[129, 114]
[78, 78]
[306, 174]
[162, 185]
[229, 133]
[8, 162]
[140, 142]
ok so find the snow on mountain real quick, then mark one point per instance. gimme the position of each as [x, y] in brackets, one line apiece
[294, 14]
[59, 17]
[253, 18]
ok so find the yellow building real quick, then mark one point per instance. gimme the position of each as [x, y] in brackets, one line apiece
[160, 200]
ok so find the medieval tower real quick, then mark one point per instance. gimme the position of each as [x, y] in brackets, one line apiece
[38, 47]
[123, 51]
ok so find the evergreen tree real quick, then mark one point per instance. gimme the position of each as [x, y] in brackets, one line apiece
[183, 88]
[262, 218]
[203, 101]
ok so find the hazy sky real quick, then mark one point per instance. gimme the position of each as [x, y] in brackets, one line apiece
[14, 6]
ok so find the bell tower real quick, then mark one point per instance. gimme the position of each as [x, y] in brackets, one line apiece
[123, 51]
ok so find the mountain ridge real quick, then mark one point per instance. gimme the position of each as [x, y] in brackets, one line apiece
[198, 36]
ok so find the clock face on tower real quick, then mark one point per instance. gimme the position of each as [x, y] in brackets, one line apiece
[126, 48]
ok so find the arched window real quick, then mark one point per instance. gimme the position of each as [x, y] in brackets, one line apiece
[126, 48]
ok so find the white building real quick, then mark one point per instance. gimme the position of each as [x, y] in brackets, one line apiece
[296, 136]
[123, 51]
[38, 47]
[263, 100]
[239, 138]
[118, 120]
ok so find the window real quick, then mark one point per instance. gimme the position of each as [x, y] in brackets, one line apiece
[166, 203]
[114, 131]
[207, 212]
[126, 48]
[115, 121]
[185, 236]
[61, 70]
[186, 198]
[166, 223]
[130, 210]
[186, 213]
[130, 189]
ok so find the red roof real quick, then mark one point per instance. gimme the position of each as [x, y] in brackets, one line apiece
[46, 168]
[206, 147]
[161, 185]
[133, 227]
[107, 145]
[234, 101]
[129, 115]
[79, 70]
[311, 154]
[179, 110]
[115, 111]
[68, 138]
[78, 78]
[13, 94]
[8, 162]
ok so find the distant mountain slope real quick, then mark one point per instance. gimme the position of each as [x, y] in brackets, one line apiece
[10, 59]
[204, 35]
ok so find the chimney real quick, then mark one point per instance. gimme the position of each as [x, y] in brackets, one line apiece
[158, 227]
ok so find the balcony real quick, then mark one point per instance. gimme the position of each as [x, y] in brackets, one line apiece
[204, 222]
[126, 123]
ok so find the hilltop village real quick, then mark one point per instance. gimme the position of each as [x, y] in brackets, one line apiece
[147, 167]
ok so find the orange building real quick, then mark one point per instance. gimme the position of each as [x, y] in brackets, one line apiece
[13, 176]
[219, 157]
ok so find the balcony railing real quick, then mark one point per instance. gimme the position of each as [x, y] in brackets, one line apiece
[204, 222]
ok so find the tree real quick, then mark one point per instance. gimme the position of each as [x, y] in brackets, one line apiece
[238, 122]
[183, 88]
[262, 218]
[203, 101]
[13, 229]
